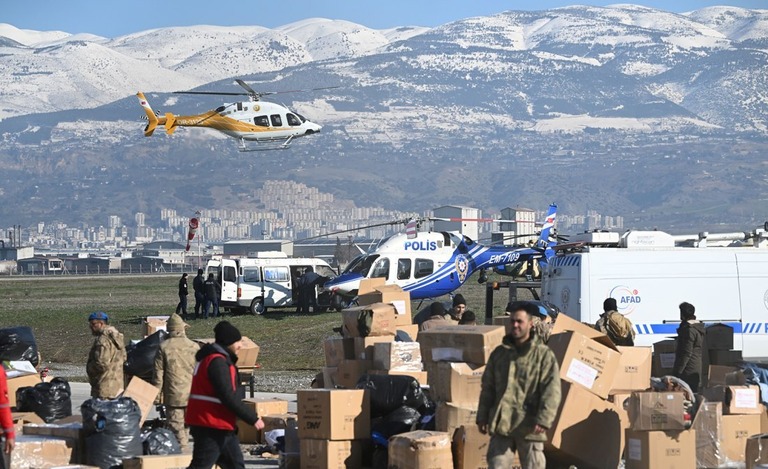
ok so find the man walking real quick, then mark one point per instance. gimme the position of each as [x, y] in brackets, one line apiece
[197, 286]
[520, 394]
[106, 358]
[211, 288]
[174, 363]
[215, 403]
[690, 344]
[615, 325]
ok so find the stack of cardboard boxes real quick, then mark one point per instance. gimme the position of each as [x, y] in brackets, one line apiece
[597, 377]
[719, 341]
[737, 418]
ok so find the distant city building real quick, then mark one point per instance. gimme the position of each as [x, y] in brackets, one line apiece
[466, 227]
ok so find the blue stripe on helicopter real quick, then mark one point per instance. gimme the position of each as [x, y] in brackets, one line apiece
[671, 328]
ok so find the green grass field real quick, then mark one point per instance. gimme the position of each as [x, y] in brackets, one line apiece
[56, 307]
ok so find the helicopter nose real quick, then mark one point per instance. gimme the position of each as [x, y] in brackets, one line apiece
[312, 128]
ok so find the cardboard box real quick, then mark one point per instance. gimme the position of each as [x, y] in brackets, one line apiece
[450, 416]
[397, 356]
[565, 324]
[22, 418]
[374, 291]
[275, 422]
[736, 399]
[420, 376]
[330, 377]
[719, 337]
[172, 461]
[650, 410]
[620, 403]
[455, 382]
[18, 382]
[144, 394]
[756, 451]
[73, 432]
[325, 454]
[377, 319]
[708, 424]
[420, 450]
[582, 420]
[470, 344]
[663, 357]
[349, 372]
[262, 406]
[659, 449]
[363, 346]
[334, 414]
[41, 451]
[736, 430]
[585, 361]
[725, 357]
[634, 371]
[720, 375]
[152, 324]
[246, 356]
[470, 448]
[338, 349]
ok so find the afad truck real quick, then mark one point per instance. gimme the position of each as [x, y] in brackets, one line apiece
[650, 273]
[254, 284]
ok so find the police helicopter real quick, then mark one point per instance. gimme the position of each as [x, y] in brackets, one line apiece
[432, 264]
[271, 126]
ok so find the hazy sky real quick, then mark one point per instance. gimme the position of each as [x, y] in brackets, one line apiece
[110, 18]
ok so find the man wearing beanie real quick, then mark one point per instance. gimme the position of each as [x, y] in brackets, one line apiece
[615, 325]
[438, 316]
[215, 402]
[458, 307]
[174, 363]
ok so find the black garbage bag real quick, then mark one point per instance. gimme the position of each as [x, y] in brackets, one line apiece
[399, 421]
[141, 356]
[18, 343]
[50, 401]
[159, 441]
[390, 392]
[112, 432]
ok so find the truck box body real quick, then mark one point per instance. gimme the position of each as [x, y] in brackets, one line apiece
[728, 285]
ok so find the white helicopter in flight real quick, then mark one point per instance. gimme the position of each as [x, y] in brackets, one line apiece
[432, 264]
[272, 126]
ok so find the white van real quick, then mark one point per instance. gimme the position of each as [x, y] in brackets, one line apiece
[649, 280]
[254, 284]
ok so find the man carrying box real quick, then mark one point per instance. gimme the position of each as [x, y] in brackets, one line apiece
[517, 408]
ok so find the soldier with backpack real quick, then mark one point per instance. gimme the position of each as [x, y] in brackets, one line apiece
[615, 325]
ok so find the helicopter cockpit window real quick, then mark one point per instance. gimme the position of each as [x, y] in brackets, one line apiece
[262, 121]
[302, 118]
[277, 121]
[292, 120]
[424, 267]
[363, 265]
[403, 269]
[381, 269]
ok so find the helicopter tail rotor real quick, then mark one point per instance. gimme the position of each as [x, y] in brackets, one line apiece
[151, 117]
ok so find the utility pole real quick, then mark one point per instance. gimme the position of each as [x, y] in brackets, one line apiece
[199, 263]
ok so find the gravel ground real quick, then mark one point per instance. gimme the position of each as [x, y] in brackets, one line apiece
[265, 381]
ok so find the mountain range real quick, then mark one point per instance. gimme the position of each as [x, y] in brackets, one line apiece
[657, 116]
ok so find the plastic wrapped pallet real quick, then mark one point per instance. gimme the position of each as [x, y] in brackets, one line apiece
[420, 450]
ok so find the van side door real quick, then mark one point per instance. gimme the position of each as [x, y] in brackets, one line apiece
[277, 286]
[229, 275]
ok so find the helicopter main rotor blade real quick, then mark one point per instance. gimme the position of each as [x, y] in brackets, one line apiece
[219, 93]
[247, 88]
[389, 223]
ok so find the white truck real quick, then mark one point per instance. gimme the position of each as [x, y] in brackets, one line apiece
[254, 284]
[650, 274]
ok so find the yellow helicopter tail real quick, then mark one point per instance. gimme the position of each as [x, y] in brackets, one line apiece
[151, 117]
[170, 123]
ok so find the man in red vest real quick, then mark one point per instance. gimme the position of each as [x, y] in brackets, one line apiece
[215, 403]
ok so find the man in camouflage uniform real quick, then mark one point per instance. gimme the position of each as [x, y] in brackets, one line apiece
[174, 364]
[520, 394]
[106, 358]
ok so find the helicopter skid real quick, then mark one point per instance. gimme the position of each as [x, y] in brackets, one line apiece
[264, 145]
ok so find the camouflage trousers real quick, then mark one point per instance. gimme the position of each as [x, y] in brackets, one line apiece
[501, 453]
[175, 422]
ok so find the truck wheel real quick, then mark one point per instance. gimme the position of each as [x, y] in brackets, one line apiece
[257, 307]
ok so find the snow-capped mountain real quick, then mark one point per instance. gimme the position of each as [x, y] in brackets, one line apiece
[623, 108]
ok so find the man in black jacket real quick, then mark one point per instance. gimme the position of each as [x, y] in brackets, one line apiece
[197, 286]
[181, 308]
[306, 289]
[690, 346]
[215, 403]
[212, 290]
